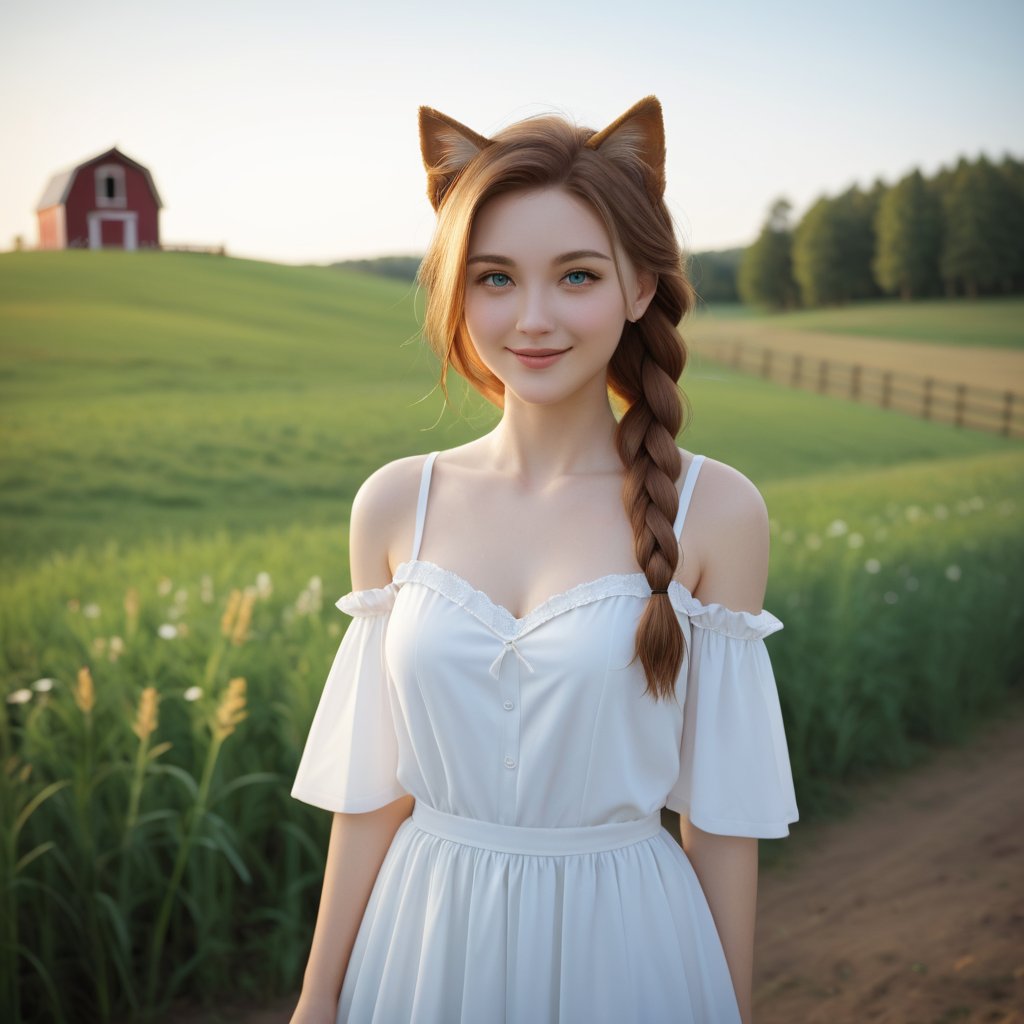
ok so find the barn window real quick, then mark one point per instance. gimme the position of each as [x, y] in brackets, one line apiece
[110, 186]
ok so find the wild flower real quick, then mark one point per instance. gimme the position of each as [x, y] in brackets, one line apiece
[891, 597]
[99, 646]
[953, 573]
[241, 627]
[231, 709]
[91, 611]
[165, 586]
[19, 697]
[85, 692]
[206, 589]
[913, 513]
[873, 566]
[940, 512]
[836, 528]
[182, 629]
[264, 587]
[115, 648]
[73, 605]
[855, 540]
[167, 631]
[181, 596]
[977, 503]
[227, 622]
[44, 685]
[193, 693]
[146, 717]
[131, 610]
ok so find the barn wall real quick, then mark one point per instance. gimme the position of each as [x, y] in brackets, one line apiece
[82, 201]
[50, 236]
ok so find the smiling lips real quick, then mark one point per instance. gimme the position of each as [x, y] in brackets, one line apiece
[538, 358]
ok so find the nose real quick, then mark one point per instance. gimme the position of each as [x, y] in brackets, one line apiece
[534, 317]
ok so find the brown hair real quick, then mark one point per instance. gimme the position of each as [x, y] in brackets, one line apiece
[619, 172]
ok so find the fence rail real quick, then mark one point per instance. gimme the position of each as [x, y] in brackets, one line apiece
[931, 398]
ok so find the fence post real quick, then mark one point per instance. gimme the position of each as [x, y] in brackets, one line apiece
[798, 365]
[886, 389]
[823, 376]
[961, 402]
[926, 406]
[1007, 413]
[855, 382]
[766, 363]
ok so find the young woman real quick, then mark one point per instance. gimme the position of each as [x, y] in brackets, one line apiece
[557, 631]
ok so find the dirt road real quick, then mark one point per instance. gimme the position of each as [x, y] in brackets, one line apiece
[911, 910]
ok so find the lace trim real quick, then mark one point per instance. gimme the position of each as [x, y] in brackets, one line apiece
[499, 620]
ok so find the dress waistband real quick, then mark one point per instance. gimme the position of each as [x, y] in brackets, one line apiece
[490, 835]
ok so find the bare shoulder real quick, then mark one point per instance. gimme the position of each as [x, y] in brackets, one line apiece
[383, 521]
[730, 527]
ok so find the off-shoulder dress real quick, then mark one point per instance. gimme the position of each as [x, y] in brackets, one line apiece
[534, 881]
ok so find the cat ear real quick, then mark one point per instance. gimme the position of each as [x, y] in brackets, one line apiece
[447, 147]
[639, 134]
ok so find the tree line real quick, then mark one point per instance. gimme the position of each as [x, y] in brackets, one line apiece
[960, 233]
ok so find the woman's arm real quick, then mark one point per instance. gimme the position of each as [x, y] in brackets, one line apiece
[731, 522]
[727, 869]
[359, 842]
[357, 848]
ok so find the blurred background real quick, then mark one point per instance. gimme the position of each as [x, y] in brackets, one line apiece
[212, 217]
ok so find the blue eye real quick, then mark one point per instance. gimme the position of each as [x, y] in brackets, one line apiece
[581, 277]
[496, 279]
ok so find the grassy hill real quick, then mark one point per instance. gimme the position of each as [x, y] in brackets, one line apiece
[997, 321]
[182, 437]
[157, 394]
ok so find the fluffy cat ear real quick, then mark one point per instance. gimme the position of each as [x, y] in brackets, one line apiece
[447, 147]
[639, 134]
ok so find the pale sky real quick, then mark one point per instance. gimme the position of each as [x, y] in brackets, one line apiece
[288, 131]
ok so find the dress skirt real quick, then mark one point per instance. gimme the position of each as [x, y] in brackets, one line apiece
[475, 922]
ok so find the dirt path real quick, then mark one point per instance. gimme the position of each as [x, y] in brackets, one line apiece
[912, 908]
[908, 911]
[981, 366]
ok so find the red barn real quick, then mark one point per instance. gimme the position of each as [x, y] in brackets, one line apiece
[109, 201]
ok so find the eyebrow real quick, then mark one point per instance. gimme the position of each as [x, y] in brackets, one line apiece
[566, 257]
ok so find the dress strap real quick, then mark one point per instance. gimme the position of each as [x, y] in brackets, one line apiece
[687, 493]
[421, 505]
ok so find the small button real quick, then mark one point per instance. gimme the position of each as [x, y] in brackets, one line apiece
[510, 762]
[508, 705]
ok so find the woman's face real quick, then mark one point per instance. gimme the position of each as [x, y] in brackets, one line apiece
[544, 305]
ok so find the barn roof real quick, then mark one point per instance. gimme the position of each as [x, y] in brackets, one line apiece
[59, 186]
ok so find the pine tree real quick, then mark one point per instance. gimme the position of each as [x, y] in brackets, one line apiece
[908, 231]
[766, 271]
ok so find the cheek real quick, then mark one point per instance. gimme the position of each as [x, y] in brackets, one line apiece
[602, 317]
[485, 318]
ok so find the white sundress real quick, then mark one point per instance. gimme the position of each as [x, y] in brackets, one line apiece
[533, 882]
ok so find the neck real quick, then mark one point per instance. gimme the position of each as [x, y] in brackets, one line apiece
[544, 442]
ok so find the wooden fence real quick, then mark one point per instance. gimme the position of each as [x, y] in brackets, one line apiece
[962, 405]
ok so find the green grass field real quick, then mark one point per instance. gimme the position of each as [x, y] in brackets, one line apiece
[998, 322]
[183, 433]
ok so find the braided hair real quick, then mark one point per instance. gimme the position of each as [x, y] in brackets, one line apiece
[619, 172]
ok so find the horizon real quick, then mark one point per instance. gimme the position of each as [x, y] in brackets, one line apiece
[262, 147]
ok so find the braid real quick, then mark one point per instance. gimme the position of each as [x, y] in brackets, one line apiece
[644, 372]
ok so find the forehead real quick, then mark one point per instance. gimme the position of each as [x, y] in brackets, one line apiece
[536, 222]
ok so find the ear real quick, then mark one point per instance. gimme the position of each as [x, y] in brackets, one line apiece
[646, 286]
[447, 147]
[639, 134]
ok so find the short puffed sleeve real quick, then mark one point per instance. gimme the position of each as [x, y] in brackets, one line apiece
[350, 759]
[734, 773]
